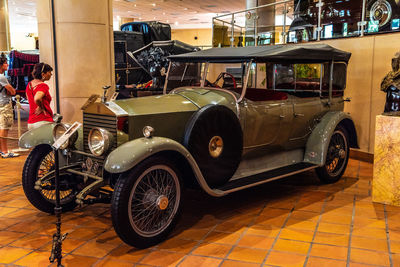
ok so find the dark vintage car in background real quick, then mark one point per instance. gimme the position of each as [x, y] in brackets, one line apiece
[229, 119]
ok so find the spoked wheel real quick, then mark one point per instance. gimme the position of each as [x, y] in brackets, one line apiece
[336, 158]
[40, 162]
[146, 203]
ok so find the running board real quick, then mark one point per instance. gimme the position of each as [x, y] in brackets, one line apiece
[261, 178]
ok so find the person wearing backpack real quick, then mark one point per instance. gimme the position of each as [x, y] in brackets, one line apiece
[6, 110]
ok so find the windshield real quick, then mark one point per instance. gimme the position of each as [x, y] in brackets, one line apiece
[213, 75]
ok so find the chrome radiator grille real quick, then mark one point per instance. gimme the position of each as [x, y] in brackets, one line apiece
[91, 121]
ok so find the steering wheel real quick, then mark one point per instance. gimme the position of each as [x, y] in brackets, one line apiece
[227, 78]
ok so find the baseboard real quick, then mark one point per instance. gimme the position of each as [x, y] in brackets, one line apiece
[361, 155]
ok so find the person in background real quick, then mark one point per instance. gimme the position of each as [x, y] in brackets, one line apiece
[6, 110]
[39, 97]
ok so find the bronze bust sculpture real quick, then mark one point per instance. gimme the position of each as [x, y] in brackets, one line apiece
[391, 86]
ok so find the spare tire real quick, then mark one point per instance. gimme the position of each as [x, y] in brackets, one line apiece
[214, 137]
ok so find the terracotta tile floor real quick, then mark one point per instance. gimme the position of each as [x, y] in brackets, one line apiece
[296, 221]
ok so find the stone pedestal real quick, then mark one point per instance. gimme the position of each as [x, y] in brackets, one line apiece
[386, 180]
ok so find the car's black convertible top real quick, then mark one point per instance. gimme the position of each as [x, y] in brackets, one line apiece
[297, 52]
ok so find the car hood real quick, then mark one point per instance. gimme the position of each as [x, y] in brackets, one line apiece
[143, 105]
[205, 96]
[183, 99]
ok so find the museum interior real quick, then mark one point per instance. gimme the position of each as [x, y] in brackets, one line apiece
[108, 157]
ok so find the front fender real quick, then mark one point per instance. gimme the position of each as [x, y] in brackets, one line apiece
[318, 142]
[131, 153]
[44, 135]
[37, 136]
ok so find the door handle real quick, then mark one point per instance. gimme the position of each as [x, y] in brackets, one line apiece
[298, 114]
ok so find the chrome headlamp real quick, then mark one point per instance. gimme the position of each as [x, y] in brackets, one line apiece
[59, 130]
[99, 141]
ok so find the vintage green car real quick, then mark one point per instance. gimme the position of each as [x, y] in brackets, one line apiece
[273, 111]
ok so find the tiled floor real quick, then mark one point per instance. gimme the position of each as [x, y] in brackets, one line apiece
[296, 221]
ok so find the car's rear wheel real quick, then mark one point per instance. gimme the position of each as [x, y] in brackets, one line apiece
[337, 157]
[146, 202]
[214, 137]
[39, 163]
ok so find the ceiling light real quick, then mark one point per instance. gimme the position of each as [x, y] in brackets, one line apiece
[163, 13]
[167, 21]
[176, 23]
[135, 5]
[185, 8]
[154, 4]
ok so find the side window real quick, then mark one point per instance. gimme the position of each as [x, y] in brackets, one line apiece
[308, 77]
[339, 79]
[284, 76]
[339, 76]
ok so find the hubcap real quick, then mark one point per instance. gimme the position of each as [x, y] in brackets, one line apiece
[216, 146]
[342, 153]
[162, 202]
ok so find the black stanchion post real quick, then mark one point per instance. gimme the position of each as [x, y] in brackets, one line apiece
[56, 250]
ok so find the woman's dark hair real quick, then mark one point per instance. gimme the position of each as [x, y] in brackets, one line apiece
[3, 59]
[39, 69]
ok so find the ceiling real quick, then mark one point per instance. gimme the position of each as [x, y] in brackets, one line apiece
[178, 13]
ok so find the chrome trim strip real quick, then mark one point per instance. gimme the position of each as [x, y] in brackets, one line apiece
[244, 84]
[262, 182]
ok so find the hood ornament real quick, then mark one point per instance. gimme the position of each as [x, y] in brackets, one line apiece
[104, 97]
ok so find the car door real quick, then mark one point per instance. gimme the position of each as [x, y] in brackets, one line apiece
[306, 112]
[264, 121]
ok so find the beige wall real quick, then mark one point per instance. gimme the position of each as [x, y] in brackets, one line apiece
[369, 63]
[19, 41]
[4, 26]
[204, 36]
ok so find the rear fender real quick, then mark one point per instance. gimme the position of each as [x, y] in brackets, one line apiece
[318, 142]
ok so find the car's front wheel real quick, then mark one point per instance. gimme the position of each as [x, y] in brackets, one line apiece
[39, 163]
[146, 202]
[337, 157]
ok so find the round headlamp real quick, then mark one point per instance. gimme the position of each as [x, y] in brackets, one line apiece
[99, 141]
[59, 130]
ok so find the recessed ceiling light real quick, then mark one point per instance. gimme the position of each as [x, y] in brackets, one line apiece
[176, 23]
[163, 13]
[135, 5]
[154, 4]
[185, 8]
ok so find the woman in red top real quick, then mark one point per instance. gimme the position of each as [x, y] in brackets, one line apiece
[39, 97]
